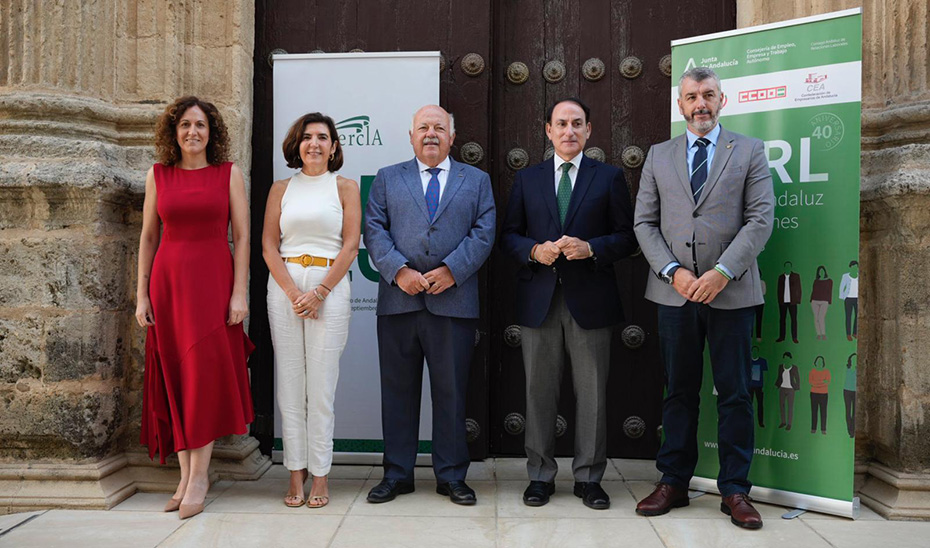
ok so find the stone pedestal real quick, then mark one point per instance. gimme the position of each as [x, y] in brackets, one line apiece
[81, 86]
[892, 434]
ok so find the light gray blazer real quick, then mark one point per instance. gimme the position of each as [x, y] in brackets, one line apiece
[398, 231]
[729, 224]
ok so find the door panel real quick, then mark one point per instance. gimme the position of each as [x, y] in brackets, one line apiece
[504, 64]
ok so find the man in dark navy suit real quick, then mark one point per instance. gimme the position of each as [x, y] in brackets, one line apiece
[569, 219]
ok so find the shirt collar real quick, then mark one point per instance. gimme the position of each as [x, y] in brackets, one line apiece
[576, 161]
[443, 165]
[712, 136]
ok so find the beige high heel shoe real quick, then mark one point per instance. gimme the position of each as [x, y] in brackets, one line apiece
[189, 510]
[172, 505]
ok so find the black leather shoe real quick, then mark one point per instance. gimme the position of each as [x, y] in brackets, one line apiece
[592, 495]
[537, 493]
[388, 490]
[458, 492]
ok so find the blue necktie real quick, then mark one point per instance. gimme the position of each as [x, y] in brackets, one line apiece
[699, 168]
[432, 192]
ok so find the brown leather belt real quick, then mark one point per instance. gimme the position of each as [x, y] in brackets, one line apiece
[310, 260]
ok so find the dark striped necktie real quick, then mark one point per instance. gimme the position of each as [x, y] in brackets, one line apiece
[699, 168]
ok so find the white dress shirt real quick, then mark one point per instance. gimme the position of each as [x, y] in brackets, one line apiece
[572, 172]
[443, 175]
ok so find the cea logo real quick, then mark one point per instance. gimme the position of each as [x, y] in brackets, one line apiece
[357, 131]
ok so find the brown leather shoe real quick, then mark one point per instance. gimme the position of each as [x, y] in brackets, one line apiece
[739, 507]
[663, 498]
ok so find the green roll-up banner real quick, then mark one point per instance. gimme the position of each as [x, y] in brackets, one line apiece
[797, 86]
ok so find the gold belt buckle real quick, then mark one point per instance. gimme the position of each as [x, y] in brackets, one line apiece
[306, 260]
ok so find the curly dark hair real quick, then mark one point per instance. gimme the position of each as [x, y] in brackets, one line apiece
[167, 149]
[291, 144]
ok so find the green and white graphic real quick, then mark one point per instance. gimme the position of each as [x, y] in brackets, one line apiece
[797, 86]
[372, 98]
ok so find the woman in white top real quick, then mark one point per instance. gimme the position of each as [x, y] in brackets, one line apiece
[310, 238]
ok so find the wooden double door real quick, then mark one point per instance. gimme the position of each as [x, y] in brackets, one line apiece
[504, 63]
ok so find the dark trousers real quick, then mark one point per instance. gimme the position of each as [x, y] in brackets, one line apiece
[819, 401]
[757, 395]
[849, 397]
[783, 310]
[786, 405]
[759, 309]
[682, 334]
[852, 315]
[447, 344]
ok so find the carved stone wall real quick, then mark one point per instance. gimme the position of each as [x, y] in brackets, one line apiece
[81, 85]
[893, 430]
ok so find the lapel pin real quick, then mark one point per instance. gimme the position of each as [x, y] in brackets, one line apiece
[729, 146]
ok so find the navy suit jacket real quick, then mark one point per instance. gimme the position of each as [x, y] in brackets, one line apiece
[600, 212]
[398, 232]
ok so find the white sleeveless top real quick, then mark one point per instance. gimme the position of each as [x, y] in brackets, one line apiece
[311, 217]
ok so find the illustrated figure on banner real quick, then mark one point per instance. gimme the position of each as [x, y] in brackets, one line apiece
[849, 294]
[821, 299]
[789, 297]
[788, 382]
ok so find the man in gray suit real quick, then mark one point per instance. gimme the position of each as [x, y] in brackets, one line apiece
[429, 227]
[703, 214]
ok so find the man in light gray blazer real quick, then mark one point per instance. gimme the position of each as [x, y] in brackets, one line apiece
[429, 227]
[703, 214]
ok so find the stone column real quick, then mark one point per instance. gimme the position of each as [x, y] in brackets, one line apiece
[892, 433]
[81, 85]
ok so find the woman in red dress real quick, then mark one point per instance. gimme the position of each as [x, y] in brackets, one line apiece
[191, 296]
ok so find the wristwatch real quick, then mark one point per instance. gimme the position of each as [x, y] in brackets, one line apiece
[669, 276]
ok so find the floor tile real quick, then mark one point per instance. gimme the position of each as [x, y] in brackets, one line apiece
[226, 530]
[97, 528]
[869, 534]
[515, 469]
[426, 502]
[391, 531]
[477, 471]
[563, 504]
[267, 497]
[706, 506]
[714, 533]
[576, 532]
[637, 470]
[9, 521]
[155, 502]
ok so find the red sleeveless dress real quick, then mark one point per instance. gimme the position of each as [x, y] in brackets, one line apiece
[196, 380]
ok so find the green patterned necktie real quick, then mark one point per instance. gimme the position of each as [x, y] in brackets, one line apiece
[564, 195]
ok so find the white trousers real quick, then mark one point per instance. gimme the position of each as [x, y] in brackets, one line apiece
[306, 363]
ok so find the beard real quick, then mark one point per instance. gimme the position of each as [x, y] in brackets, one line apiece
[702, 126]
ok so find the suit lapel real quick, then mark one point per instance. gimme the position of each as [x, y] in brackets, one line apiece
[453, 182]
[547, 180]
[680, 161]
[415, 185]
[721, 157]
[582, 183]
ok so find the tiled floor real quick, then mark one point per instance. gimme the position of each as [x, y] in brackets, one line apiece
[252, 514]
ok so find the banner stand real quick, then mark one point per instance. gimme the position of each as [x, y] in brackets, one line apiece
[797, 86]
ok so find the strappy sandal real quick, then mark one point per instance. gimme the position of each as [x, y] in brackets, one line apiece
[319, 500]
[298, 498]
